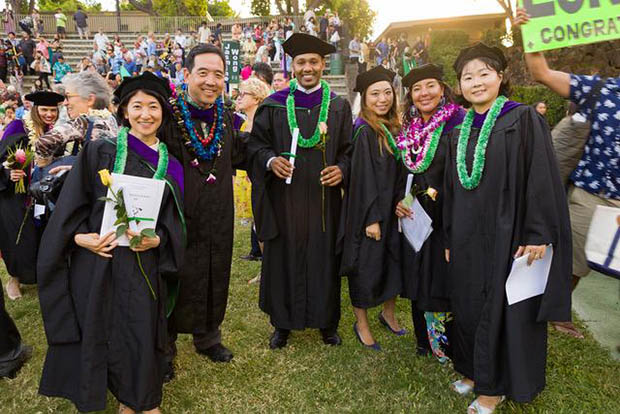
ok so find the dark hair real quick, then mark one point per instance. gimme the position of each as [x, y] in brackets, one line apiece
[391, 120]
[504, 88]
[166, 120]
[202, 49]
[263, 71]
[408, 101]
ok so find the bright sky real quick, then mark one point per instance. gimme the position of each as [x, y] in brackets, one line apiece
[391, 10]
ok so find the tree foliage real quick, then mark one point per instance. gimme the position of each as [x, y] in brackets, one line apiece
[219, 8]
[181, 7]
[68, 5]
[261, 7]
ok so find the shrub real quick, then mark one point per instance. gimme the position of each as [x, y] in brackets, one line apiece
[556, 105]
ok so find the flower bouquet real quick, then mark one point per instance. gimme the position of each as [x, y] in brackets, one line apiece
[19, 159]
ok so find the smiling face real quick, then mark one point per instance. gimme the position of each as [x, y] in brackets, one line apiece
[206, 81]
[426, 95]
[48, 114]
[144, 113]
[380, 97]
[480, 84]
[541, 108]
[76, 105]
[308, 69]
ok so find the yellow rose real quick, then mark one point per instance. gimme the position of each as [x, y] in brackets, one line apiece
[432, 193]
[106, 178]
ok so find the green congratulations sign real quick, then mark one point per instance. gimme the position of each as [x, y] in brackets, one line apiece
[561, 23]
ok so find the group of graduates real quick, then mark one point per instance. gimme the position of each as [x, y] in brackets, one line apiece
[487, 178]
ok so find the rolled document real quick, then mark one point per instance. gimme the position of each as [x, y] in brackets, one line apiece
[293, 152]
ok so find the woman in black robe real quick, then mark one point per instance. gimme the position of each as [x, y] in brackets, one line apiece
[21, 258]
[507, 201]
[369, 232]
[429, 115]
[104, 327]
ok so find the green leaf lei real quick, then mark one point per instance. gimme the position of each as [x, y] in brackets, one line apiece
[391, 142]
[470, 182]
[292, 117]
[432, 149]
[121, 156]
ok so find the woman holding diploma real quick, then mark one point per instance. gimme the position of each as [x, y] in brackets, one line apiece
[104, 326]
[429, 115]
[504, 199]
[371, 243]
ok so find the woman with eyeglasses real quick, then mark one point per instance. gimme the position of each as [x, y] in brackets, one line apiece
[251, 94]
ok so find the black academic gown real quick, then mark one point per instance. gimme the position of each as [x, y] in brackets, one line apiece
[520, 201]
[300, 286]
[9, 335]
[373, 267]
[20, 259]
[209, 215]
[425, 273]
[103, 327]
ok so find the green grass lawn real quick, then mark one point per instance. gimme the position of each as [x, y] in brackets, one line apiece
[308, 376]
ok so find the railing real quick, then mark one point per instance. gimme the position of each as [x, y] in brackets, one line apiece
[143, 23]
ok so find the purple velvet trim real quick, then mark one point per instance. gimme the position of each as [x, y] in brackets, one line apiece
[237, 121]
[302, 100]
[358, 123]
[205, 115]
[175, 169]
[16, 126]
[508, 106]
[457, 119]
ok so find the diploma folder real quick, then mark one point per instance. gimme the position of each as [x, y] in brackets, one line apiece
[525, 281]
[143, 197]
[419, 227]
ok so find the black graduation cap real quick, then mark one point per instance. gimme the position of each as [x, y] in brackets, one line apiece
[427, 71]
[480, 50]
[374, 75]
[300, 43]
[147, 81]
[44, 98]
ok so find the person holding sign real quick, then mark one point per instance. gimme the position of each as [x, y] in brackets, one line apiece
[429, 116]
[105, 328]
[503, 199]
[595, 180]
[298, 222]
[369, 235]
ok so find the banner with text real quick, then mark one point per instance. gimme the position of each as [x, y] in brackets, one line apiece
[232, 52]
[561, 23]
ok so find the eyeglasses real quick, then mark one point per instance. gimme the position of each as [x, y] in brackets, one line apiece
[242, 94]
[71, 95]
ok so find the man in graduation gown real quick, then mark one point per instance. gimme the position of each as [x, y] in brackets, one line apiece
[300, 286]
[208, 201]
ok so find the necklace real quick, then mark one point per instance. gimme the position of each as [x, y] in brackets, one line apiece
[121, 156]
[470, 182]
[391, 142]
[292, 117]
[205, 145]
[422, 140]
[31, 131]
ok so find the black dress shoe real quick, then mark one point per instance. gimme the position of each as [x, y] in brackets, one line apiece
[423, 351]
[251, 258]
[169, 374]
[331, 337]
[9, 369]
[279, 338]
[217, 353]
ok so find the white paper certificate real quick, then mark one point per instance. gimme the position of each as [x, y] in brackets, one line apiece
[525, 281]
[417, 228]
[143, 198]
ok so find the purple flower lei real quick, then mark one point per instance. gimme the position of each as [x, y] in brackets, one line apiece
[418, 142]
